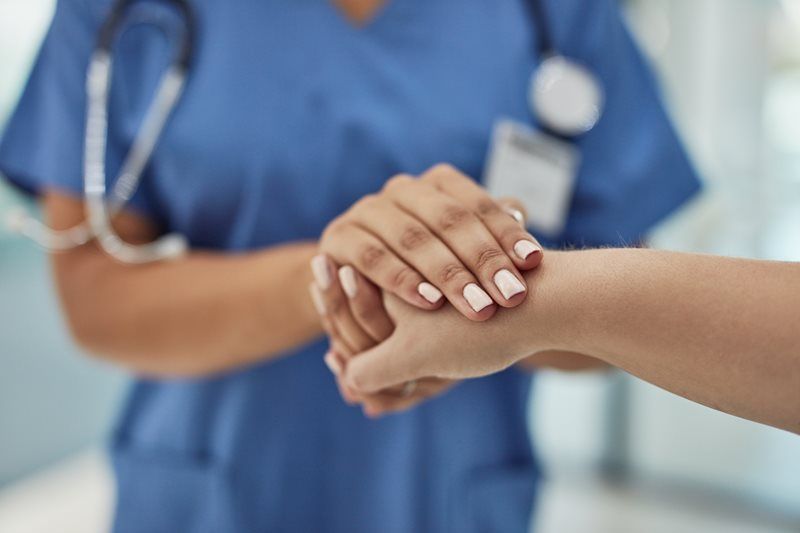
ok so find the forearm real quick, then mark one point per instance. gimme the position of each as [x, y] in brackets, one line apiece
[561, 361]
[202, 314]
[718, 331]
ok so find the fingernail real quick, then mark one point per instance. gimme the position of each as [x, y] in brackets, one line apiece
[508, 284]
[347, 276]
[322, 272]
[429, 292]
[333, 363]
[476, 297]
[524, 249]
[316, 297]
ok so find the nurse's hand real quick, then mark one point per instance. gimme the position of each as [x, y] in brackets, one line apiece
[434, 237]
[353, 316]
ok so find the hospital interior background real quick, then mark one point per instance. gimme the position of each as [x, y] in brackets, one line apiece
[620, 455]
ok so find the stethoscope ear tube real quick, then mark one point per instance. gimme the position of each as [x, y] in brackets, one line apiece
[111, 27]
[100, 208]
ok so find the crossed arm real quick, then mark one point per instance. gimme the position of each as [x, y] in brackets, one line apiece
[214, 312]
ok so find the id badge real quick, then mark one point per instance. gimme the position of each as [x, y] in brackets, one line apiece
[537, 169]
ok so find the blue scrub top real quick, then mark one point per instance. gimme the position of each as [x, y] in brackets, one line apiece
[290, 116]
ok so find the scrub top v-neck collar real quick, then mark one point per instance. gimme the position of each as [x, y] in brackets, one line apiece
[361, 27]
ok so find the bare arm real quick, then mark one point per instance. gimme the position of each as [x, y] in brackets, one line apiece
[202, 314]
[722, 332]
[562, 361]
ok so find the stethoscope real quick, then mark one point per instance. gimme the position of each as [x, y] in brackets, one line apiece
[565, 96]
[99, 208]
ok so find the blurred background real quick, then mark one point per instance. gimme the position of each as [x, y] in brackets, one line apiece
[621, 455]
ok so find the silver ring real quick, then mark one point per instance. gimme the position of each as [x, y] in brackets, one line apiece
[409, 388]
[516, 214]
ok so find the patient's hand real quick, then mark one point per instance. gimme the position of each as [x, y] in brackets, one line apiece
[358, 323]
[444, 345]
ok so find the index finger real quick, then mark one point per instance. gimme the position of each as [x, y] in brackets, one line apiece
[523, 249]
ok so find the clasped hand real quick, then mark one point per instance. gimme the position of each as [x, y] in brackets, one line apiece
[387, 266]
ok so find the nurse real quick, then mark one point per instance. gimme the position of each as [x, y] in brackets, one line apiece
[295, 110]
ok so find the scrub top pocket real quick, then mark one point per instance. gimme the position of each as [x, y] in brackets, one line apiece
[159, 489]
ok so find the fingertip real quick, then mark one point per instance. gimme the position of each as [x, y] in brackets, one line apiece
[536, 259]
[349, 281]
[317, 299]
[417, 300]
[528, 253]
[370, 412]
[515, 300]
[333, 363]
[321, 269]
[483, 315]
[430, 293]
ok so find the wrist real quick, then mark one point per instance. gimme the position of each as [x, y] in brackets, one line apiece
[285, 281]
[551, 316]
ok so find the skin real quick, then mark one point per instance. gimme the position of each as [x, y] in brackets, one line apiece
[440, 228]
[722, 332]
[363, 314]
[360, 12]
[357, 321]
[210, 312]
[203, 314]
[246, 311]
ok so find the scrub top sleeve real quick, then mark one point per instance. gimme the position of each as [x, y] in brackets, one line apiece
[635, 171]
[42, 145]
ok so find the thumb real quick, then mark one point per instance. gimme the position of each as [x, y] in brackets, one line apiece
[380, 368]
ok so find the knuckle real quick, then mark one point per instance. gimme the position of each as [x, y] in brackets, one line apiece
[371, 257]
[358, 382]
[442, 170]
[413, 237]
[335, 225]
[332, 230]
[487, 208]
[398, 181]
[489, 256]
[451, 272]
[335, 306]
[401, 277]
[453, 217]
[366, 312]
[365, 202]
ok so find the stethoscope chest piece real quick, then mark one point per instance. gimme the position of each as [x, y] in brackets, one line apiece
[565, 96]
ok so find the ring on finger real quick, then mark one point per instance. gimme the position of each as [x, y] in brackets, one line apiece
[409, 388]
[516, 214]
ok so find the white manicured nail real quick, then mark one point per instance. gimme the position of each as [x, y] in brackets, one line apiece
[316, 297]
[347, 276]
[322, 272]
[524, 249]
[476, 297]
[333, 363]
[429, 292]
[508, 284]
